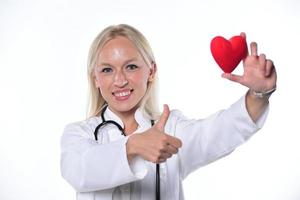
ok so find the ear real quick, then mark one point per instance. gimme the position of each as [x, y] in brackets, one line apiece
[153, 70]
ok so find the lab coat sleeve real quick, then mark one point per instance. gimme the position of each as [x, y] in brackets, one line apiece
[89, 166]
[209, 139]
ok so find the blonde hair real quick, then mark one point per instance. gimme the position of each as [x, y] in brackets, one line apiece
[148, 104]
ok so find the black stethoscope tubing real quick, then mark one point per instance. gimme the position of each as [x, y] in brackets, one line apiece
[104, 122]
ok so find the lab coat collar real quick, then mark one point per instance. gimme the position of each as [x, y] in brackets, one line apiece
[141, 119]
[110, 115]
[138, 115]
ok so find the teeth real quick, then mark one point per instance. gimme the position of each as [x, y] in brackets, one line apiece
[122, 94]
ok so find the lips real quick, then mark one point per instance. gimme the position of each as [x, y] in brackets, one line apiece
[122, 95]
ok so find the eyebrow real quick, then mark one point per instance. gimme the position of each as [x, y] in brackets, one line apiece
[126, 62]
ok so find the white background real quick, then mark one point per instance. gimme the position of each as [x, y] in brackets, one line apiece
[43, 86]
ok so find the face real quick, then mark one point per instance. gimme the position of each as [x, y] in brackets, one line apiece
[122, 75]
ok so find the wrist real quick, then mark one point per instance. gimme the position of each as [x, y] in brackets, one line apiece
[262, 94]
[131, 147]
[254, 99]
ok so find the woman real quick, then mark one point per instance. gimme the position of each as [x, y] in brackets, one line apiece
[119, 159]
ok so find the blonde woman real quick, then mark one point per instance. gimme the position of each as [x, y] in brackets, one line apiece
[126, 149]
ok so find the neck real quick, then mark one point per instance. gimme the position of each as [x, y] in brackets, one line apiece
[128, 119]
[130, 125]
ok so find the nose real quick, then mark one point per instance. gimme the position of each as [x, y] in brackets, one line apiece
[120, 79]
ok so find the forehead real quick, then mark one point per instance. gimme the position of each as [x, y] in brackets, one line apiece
[118, 48]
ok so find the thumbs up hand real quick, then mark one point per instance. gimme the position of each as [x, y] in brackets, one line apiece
[154, 144]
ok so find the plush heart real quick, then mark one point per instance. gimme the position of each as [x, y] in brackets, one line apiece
[228, 53]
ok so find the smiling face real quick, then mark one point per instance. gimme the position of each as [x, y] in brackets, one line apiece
[122, 75]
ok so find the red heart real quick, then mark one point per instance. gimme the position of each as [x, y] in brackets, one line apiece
[228, 53]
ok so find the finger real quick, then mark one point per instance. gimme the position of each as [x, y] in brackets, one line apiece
[253, 48]
[262, 59]
[262, 62]
[273, 74]
[171, 149]
[160, 160]
[173, 141]
[165, 155]
[233, 77]
[243, 34]
[163, 118]
[269, 68]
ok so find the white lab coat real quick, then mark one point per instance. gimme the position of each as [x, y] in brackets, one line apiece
[96, 169]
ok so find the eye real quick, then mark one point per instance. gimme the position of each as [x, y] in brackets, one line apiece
[106, 70]
[131, 67]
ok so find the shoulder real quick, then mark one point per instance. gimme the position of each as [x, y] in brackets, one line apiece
[83, 128]
[177, 116]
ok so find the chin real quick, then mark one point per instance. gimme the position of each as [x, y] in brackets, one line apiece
[124, 107]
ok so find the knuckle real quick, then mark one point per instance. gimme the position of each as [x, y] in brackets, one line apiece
[175, 150]
[160, 151]
[158, 154]
[161, 147]
[179, 143]
[164, 138]
[154, 159]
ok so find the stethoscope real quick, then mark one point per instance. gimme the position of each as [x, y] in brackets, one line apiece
[104, 122]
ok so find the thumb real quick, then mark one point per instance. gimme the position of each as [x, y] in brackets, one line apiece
[233, 77]
[163, 118]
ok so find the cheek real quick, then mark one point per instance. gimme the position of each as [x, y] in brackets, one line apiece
[141, 79]
[101, 83]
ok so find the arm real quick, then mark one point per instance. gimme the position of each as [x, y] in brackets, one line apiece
[89, 166]
[209, 139]
[256, 105]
